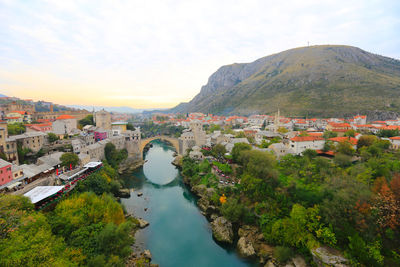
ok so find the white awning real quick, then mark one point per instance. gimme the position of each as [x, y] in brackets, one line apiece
[11, 186]
[41, 192]
[93, 164]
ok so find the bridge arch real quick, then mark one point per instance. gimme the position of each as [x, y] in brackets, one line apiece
[174, 141]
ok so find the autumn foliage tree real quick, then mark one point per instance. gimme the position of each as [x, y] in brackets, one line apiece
[387, 203]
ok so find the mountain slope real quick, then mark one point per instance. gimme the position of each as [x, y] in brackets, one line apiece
[327, 80]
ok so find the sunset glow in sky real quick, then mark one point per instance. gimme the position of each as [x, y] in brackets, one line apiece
[147, 54]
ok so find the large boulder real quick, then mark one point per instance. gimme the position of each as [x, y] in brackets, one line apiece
[299, 261]
[265, 251]
[210, 192]
[143, 223]
[249, 231]
[124, 193]
[147, 254]
[177, 161]
[203, 204]
[289, 264]
[200, 190]
[245, 247]
[270, 263]
[222, 230]
[326, 256]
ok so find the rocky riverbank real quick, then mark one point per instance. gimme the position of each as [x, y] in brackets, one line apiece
[140, 255]
[130, 164]
[177, 161]
[249, 240]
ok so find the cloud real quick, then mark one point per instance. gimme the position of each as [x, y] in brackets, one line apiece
[165, 51]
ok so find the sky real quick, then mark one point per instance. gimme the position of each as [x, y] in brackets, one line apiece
[156, 54]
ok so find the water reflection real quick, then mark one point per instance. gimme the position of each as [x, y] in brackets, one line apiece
[178, 235]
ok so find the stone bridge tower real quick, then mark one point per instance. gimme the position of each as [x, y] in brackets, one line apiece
[102, 119]
[133, 143]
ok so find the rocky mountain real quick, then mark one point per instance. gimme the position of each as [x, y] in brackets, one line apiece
[326, 80]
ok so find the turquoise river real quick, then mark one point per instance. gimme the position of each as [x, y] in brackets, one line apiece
[178, 234]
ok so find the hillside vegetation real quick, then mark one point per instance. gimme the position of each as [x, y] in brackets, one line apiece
[328, 80]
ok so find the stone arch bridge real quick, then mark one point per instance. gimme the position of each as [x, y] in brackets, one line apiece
[174, 141]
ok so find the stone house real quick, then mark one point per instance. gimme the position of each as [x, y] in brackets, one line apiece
[301, 143]
[64, 125]
[5, 172]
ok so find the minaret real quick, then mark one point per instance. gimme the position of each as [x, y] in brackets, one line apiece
[277, 121]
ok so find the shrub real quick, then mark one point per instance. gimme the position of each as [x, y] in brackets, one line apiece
[283, 254]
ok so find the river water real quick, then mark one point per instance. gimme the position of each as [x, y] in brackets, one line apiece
[178, 234]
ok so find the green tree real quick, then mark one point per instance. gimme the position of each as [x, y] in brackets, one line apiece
[130, 127]
[113, 156]
[218, 151]
[342, 160]
[214, 127]
[68, 159]
[329, 134]
[350, 133]
[328, 145]
[303, 229]
[52, 137]
[366, 140]
[88, 120]
[33, 244]
[259, 164]
[16, 128]
[233, 210]
[388, 133]
[22, 153]
[310, 153]
[83, 210]
[26, 238]
[240, 134]
[96, 183]
[345, 148]
[282, 130]
[237, 149]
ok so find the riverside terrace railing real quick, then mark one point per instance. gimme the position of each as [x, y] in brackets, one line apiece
[68, 187]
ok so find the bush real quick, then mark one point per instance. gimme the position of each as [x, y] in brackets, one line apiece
[52, 137]
[232, 210]
[342, 160]
[283, 254]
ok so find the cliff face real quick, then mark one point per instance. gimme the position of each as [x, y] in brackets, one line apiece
[318, 81]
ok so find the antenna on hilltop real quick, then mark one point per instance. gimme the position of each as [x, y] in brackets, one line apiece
[308, 43]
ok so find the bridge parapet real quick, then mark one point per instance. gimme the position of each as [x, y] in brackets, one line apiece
[174, 141]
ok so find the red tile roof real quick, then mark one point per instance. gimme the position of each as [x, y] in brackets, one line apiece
[392, 127]
[330, 153]
[395, 138]
[336, 125]
[20, 112]
[352, 140]
[65, 117]
[315, 134]
[306, 138]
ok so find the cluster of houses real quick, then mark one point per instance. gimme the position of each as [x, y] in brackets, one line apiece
[88, 143]
[294, 135]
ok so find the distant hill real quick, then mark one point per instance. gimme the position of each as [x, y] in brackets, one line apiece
[1, 95]
[326, 80]
[111, 109]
